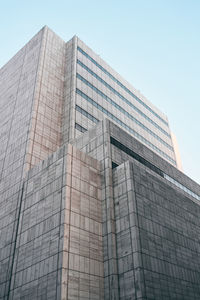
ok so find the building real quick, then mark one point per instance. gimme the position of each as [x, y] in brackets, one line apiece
[91, 208]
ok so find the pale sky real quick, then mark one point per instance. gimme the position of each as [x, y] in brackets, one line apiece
[153, 44]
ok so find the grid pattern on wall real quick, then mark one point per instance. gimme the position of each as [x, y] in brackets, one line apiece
[155, 238]
[17, 84]
[138, 117]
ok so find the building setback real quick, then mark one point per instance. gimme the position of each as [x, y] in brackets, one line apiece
[93, 202]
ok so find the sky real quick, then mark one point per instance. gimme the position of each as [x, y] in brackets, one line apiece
[153, 44]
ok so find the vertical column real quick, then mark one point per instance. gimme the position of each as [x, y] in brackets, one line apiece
[45, 135]
[130, 266]
[82, 256]
[68, 121]
[18, 93]
[109, 232]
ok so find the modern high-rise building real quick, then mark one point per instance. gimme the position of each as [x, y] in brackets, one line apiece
[93, 203]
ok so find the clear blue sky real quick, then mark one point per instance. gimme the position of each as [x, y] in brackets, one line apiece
[154, 44]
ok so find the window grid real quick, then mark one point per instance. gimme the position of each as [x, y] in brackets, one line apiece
[121, 85]
[86, 114]
[151, 166]
[182, 187]
[137, 135]
[80, 128]
[124, 111]
[122, 97]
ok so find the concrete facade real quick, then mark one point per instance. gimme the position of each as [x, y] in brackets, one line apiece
[91, 208]
[68, 89]
[58, 252]
[157, 248]
[150, 223]
[18, 79]
[103, 93]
